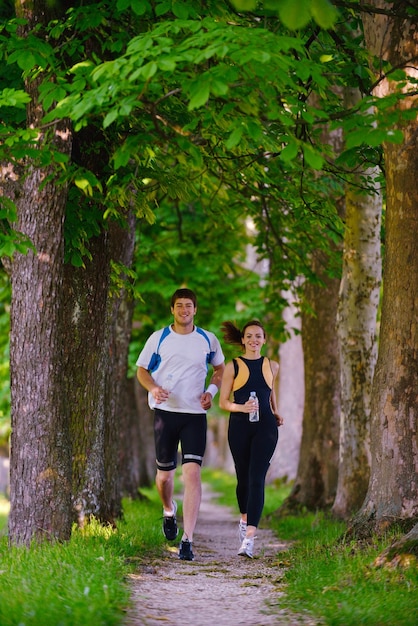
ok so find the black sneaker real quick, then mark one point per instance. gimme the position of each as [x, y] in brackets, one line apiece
[170, 529]
[185, 550]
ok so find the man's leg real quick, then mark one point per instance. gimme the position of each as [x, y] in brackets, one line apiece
[191, 498]
[165, 487]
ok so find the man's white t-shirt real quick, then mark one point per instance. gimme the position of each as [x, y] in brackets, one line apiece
[183, 367]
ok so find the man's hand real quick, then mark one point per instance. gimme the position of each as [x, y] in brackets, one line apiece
[206, 400]
[160, 394]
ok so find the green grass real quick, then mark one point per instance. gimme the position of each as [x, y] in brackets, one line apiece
[339, 583]
[84, 581]
[331, 580]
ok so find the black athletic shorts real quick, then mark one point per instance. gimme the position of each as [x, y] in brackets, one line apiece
[170, 429]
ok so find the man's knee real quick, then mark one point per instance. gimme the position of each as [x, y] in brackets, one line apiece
[163, 477]
[191, 470]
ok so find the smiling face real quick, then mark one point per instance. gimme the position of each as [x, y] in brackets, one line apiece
[183, 311]
[253, 340]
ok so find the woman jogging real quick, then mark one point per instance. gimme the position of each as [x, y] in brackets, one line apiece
[253, 422]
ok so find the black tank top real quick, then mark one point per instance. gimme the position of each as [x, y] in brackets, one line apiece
[251, 376]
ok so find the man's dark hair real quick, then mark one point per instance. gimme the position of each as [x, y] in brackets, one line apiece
[184, 293]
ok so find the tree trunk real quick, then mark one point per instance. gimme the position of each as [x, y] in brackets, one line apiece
[96, 347]
[85, 364]
[357, 321]
[316, 480]
[402, 553]
[119, 322]
[392, 495]
[137, 449]
[97, 333]
[40, 464]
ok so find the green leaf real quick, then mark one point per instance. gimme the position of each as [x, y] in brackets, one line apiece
[110, 118]
[122, 5]
[289, 152]
[148, 70]
[356, 138]
[394, 136]
[180, 9]
[77, 259]
[376, 136]
[244, 5]
[121, 157]
[162, 8]
[25, 60]
[293, 14]
[140, 7]
[219, 88]
[7, 248]
[324, 13]
[167, 64]
[312, 158]
[234, 138]
[199, 95]
[14, 98]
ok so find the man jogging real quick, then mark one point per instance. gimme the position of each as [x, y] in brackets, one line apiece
[173, 367]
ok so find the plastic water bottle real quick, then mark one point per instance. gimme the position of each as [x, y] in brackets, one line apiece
[254, 415]
[169, 383]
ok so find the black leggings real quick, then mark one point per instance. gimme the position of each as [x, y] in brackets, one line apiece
[252, 446]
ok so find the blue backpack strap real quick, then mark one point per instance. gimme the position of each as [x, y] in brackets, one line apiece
[155, 360]
[211, 354]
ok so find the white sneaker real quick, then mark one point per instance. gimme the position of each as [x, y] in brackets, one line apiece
[242, 531]
[247, 547]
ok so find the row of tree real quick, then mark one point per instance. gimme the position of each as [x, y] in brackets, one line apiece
[137, 139]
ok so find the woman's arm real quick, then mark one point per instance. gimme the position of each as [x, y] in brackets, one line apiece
[226, 390]
[273, 401]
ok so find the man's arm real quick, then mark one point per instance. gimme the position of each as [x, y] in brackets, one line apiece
[147, 381]
[207, 397]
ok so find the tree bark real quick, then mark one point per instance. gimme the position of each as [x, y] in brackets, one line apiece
[137, 449]
[119, 322]
[40, 464]
[392, 495]
[97, 332]
[357, 329]
[316, 481]
[97, 335]
[401, 553]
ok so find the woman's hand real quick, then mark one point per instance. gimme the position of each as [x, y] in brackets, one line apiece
[250, 406]
[279, 419]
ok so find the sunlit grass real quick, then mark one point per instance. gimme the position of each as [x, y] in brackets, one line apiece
[339, 582]
[4, 512]
[82, 581]
[333, 581]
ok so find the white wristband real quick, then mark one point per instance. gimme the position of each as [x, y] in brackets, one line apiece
[212, 389]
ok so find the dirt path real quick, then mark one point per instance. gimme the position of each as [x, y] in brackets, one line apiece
[218, 588]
